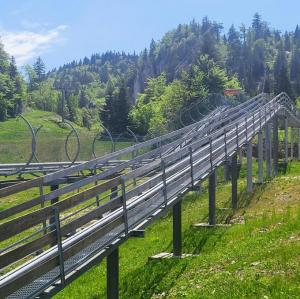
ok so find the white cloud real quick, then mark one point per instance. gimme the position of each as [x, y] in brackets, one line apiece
[31, 25]
[25, 45]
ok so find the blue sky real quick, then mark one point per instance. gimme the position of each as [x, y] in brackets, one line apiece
[62, 30]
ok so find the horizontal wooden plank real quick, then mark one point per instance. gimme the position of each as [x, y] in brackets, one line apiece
[85, 195]
[21, 187]
[37, 244]
[18, 225]
[20, 207]
[44, 266]
[20, 252]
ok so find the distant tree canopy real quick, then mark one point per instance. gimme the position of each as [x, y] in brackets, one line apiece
[158, 108]
[12, 87]
[147, 91]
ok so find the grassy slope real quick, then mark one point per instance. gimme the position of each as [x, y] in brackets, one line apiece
[258, 259]
[16, 139]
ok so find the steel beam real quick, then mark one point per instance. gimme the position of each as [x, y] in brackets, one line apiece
[212, 198]
[260, 157]
[234, 195]
[249, 167]
[177, 238]
[275, 146]
[112, 274]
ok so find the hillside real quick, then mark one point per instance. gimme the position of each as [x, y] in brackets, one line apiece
[188, 63]
[257, 257]
[50, 140]
[152, 87]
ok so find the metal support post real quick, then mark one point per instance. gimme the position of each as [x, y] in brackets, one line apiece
[53, 201]
[114, 192]
[164, 178]
[227, 162]
[292, 144]
[124, 205]
[177, 238]
[53, 188]
[192, 167]
[96, 183]
[59, 245]
[260, 157]
[275, 145]
[234, 195]
[240, 153]
[227, 170]
[286, 145]
[212, 198]
[249, 167]
[112, 274]
[299, 144]
[268, 151]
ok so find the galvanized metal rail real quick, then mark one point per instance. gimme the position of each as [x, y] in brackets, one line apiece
[72, 234]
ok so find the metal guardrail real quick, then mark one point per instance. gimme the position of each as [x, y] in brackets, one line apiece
[85, 225]
[10, 169]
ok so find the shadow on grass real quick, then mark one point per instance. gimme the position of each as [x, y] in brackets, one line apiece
[155, 277]
[195, 239]
[159, 276]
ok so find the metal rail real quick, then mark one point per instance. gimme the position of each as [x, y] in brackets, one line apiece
[84, 230]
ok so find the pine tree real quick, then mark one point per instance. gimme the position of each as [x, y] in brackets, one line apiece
[234, 51]
[287, 42]
[106, 113]
[83, 99]
[121, 109]
[40, 69]
[295, 70]
[13, 71]
[152, 57]
[257, 26]
[258, 60]
[297, 36]
[281, 77]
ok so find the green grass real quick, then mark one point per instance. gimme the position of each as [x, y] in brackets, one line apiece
[50, 142]
[256, 259]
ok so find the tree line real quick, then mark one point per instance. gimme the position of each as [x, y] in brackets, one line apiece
[147, 90]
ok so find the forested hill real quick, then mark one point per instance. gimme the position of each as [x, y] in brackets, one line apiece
[148, 90]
